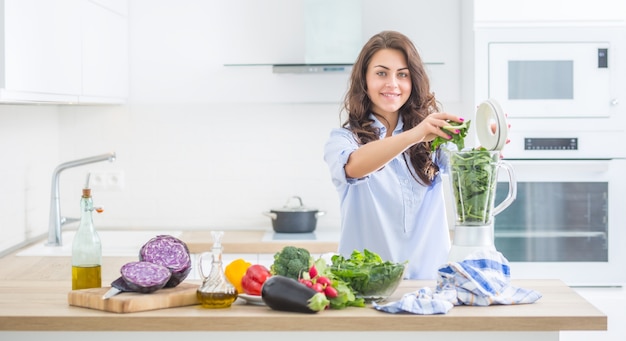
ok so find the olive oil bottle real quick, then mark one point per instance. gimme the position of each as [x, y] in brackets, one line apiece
[216, 291]
[86, 247]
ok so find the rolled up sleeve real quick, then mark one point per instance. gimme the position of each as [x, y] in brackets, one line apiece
[337, 150]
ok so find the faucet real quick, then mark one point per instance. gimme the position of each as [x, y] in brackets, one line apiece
[56, 220]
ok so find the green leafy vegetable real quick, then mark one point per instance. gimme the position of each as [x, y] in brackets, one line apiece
[367, 274]
[457, 139]
[473, 175]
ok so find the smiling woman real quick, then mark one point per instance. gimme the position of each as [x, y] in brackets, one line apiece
[390, 191]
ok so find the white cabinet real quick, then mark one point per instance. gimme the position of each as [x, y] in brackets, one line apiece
[40, 54]
[537, 12]
[104, 52]
[63, 51]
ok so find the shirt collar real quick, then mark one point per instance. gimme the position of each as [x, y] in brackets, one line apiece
[383, 129]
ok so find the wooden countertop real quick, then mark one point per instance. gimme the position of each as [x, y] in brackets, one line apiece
[34, 291]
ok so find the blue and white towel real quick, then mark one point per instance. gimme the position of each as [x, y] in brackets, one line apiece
[481, 279]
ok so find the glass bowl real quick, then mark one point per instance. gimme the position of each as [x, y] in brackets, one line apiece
[373, 283]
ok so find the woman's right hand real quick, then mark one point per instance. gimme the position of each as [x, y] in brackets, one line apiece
[431, 126]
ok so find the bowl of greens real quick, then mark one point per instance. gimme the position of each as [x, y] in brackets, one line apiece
[368, 275]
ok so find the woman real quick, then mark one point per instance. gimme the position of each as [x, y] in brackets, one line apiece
[380, 159]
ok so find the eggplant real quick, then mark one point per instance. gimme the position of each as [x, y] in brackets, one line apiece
[287, 294]
[145, 277]
[169, 252]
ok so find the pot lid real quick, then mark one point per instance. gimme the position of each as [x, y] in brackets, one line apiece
[488, 116]
[294, 204]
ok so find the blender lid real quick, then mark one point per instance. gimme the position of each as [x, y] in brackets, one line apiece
[489, 115]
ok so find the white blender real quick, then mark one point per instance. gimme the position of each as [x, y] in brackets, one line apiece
[473, 177]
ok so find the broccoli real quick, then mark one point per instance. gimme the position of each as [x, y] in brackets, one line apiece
[291, 262]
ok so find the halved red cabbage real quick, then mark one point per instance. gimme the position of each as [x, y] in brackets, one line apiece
[169, 252]
[145, 277]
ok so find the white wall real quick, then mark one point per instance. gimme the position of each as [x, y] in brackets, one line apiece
[29, 148]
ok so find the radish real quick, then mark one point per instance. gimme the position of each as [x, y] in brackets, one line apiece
[306, 282]
[325, 281]
[313, 271]
[330, 292]
[318, 287]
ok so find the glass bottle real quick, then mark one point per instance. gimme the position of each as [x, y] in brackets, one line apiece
[86, 248]
[216, 291]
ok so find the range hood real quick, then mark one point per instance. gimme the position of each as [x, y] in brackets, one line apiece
[333, 37]
[295, 36]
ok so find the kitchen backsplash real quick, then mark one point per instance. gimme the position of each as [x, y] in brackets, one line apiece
[203, 165]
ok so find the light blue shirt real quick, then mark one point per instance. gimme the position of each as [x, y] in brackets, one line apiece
[388, 211]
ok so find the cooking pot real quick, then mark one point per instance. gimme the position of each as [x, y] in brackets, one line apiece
[294, 218]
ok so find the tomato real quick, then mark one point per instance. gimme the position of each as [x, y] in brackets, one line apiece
[253, 280]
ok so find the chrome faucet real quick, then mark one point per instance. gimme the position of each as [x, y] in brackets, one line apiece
[56, 220]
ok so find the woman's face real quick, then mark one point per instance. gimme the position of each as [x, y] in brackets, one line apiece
[388, 81]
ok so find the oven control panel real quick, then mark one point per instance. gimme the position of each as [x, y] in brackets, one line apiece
[567, 143]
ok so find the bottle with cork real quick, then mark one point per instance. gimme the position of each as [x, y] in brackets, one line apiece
[86, 247]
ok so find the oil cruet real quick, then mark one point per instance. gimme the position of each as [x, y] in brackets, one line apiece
[216, 291]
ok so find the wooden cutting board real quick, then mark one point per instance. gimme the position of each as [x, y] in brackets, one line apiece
[183, 294]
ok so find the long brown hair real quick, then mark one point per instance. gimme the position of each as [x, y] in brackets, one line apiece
[420, 104]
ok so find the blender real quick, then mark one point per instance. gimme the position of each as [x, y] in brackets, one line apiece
[473, 176]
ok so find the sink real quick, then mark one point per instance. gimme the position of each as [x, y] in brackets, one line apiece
[119, 243]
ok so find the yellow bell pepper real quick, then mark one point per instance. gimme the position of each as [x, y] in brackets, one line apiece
[235, 271]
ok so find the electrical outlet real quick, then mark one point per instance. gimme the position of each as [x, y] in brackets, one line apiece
[107, 180]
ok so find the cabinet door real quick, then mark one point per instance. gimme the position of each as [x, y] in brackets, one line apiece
[64, 51]
[104, 54]
[42, 48]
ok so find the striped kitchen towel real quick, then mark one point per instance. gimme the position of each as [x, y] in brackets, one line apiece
[481, 279]
[422, 302]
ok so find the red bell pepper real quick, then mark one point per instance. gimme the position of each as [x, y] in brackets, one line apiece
[254, 278]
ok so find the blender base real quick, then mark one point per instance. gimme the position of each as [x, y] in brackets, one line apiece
[468, 239]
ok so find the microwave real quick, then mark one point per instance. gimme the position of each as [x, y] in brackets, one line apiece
[552, 72]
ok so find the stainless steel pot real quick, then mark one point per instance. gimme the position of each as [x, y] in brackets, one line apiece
[294, 219]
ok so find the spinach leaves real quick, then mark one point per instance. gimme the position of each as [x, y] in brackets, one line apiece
[473, 174]
[458, 139]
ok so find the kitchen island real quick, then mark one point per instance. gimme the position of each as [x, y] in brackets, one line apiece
[34, 299]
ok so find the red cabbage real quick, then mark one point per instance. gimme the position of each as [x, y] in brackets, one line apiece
[145, 277]
[169, 252]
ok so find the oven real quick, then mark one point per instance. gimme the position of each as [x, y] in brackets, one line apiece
[567, 221]
[567, 148]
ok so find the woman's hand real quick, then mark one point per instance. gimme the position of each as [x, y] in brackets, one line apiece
[431, 126]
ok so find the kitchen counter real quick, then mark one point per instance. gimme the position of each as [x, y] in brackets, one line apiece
[34, 297]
